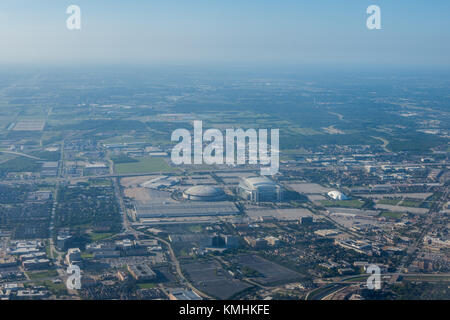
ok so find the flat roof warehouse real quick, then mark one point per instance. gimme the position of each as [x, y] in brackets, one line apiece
[197, 209]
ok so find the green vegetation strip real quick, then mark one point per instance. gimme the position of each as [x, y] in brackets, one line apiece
[143, 166]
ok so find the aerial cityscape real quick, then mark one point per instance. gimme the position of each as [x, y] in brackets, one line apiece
[300, 183]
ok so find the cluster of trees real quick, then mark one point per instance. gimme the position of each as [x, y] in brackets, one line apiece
[13, 194]
[88, 207]
[27, 220]
[19, 164]
[422, 291]
[47, 155]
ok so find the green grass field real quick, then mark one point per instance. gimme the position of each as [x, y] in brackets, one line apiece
[58, 289]
[145, 165]
[411, 203]
[42, 274]
[146, 285]
[392, 202]
[395, 215]
[86, 256]
[195, 228]
[100, 236]
[343, 203]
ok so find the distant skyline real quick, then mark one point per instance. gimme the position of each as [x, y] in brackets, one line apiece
[265, 32]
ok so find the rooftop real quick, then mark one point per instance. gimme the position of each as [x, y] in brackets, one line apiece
[204, 191]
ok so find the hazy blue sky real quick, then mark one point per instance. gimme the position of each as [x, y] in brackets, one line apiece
[317, 32]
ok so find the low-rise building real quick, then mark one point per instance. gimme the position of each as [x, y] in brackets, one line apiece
[326, 232]
[63, 240]
[73, 256]
[8, 262]
[184, 295]
[36, 264]
[257, 243]
[272, 241]
[141, 272]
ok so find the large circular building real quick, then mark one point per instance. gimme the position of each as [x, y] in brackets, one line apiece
[204, 193]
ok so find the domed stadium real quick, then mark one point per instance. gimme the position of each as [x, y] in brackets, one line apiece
[336, 195]
[204, 193]
[260, 189]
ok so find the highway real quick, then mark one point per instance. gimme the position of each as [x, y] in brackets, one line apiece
[411, 250]
[22, 155]
[337, 284]
[136, 233]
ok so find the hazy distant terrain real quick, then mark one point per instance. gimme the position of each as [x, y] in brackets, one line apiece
[399, 112]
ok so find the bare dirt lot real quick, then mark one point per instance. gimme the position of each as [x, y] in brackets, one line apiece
[146, 195]
[135, 181]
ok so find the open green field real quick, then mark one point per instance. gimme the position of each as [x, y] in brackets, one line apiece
[395, 215]
[195, 228]
[343, 203]
[392, 202]
[42, 274]
[56, 288]
[150, 138]
[20, 164]
[87, 256]
[411, 203]
[100, 182]
[144, 165]
[146, 285]
[305, 131]
[100, 236]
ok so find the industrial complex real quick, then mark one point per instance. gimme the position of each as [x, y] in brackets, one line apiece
[171, 210]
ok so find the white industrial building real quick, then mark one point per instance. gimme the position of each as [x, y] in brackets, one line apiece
[160, 182]
[336, 195]
[190, 209]
[204, 193]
